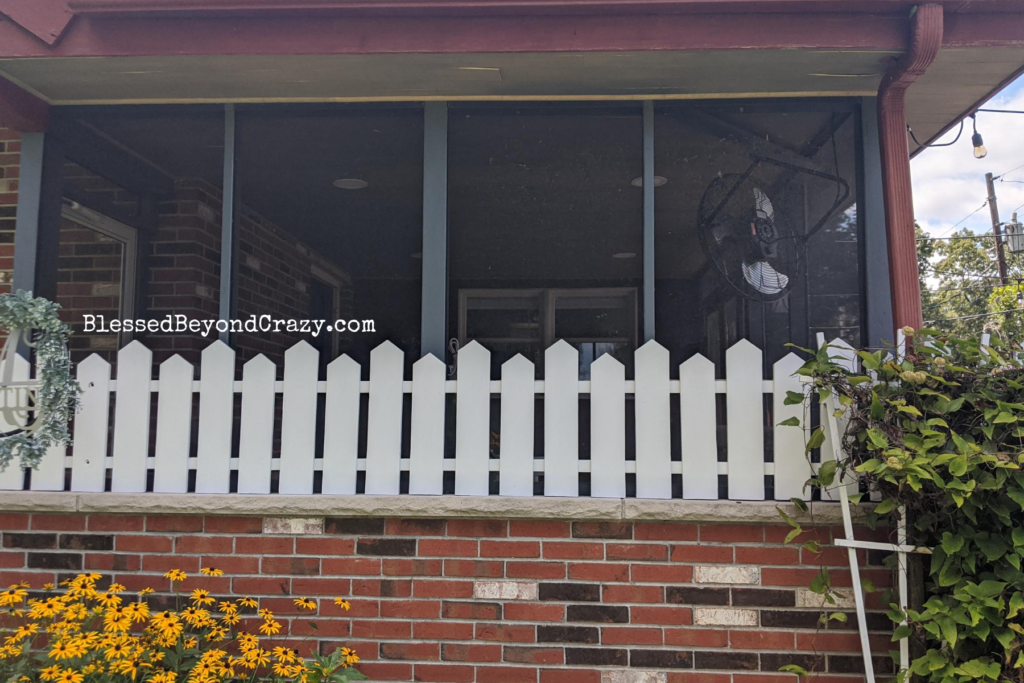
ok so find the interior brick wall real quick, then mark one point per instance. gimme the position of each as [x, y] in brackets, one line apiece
[494, 601]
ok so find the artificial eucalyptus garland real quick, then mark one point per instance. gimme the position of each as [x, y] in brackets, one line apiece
[36, 322]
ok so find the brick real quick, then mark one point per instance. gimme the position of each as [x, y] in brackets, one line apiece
[12, 560]
[569, 676]
[476, 568]
[554, 550]
[595, 656]
[376, 628]
[471, 653]
[539, 529]
[855, 664]
[633, 594]
[387, 588]
[507, 633]
[429, 651]
[838, 642]
[397, 567]
[307, 566]
[425, 588]
[30, 541]
[509, 549]
[325, 628]
[353, 566]
[470, 610]
[112, 562]
[394, 547]
[505, 674]
[385, 671]
[732, 575]
[505, 590]
[535, 570]
[174, 524]
[641, 552]
[533, 655]
[613, 530]
[192, 545]
[669, 616]
[58, 522]
[806, 598]
[234, 525]
[634, 676]
[354, 526]
[598, 571]
[443, 630]
[568, 634]
[260, 586]
[444, 673]
[478, 528]
[325, 546]
[691, 595]
[789, 619]
[261, 545]
[604, 614]
[410, 609]
[661, 573]
[701, 553]
[664, 531]
[293, 526]
[415, 527]
[533, 612]
[570, 592]
[703, 677]
[725, 660]
[731, 533]
[713, 616]
[660, 659]
[761, 640]
[768, 556]
[430, 547]
[696, 637]
[116, 523]
[10, 521]
[71, 561]
[763, 597]
[622, 635]
[316, 586]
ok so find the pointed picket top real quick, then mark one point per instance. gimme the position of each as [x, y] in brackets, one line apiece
[561, 420]
[173, 426]
[473, 421]
[176, 363]
[607, 428]
[427, 361]
[606, 362]
[218, 352]
[745, 347]
[843, 353]
[302, 349]
[426, 443]
[344, 361]
[518, 400]
[137, 353]
[696, 363]
[94, 363]
[257, 363]
[518, 363]
[131, 418]
[698, 428]
[341, 426]
[387, 351]
[472, 352]
[561, 352]
[653, 422]
[216, 418]
[384, 420]
[652, 351]
[744, 405]
[256, 430]
[792, 468]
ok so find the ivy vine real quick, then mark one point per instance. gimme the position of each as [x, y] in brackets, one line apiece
[35, 321]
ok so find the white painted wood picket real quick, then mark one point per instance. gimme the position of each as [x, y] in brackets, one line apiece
[287, 409]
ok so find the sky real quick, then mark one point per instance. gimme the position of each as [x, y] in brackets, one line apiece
[949, 183]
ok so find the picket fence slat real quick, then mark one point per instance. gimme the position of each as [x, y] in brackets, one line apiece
[698, 428]
[341, 426]
[426, 442]
[473, 421]
[515, 474]
[845, 355]
[384, 430]
[216, 418]
[653, 423]
[131, 418]
[561, 420]
[91, 429]
[608, 428]
[12, 478]
[744, 405]
[791, 464]
[256, 429]
[298, 419]
[49, 473]
[173, 425]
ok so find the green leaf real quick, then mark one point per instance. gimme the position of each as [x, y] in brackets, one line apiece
[958, 466]
[902, 631]
[1003, 418]
[817, 438]
[799, 503]
[952, 543]
[790, 422]
[827, 473]
[793, 398]
[910, 410]
[885, 507]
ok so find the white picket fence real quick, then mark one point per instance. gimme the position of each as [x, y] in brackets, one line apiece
[130, 458]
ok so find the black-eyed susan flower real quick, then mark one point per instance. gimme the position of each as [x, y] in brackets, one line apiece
[305, 603]
[342, 603]
[211, 571]
[176, 575]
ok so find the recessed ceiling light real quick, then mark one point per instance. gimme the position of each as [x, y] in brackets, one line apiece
[658, 181]
[624, 255]
[350, 183]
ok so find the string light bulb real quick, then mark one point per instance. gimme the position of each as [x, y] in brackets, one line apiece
[979, 145]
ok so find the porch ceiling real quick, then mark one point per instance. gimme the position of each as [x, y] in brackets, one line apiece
[599, 75]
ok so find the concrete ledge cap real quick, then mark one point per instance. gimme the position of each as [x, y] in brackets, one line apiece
[494, 507]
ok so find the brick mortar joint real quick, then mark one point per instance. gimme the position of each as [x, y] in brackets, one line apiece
[424, 507]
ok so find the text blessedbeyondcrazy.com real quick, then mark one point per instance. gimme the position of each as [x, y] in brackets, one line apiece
[181, 324]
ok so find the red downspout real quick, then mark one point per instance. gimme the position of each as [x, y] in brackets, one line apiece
[892, 132]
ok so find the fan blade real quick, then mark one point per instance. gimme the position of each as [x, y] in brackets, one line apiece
[763, 205]
[765, 279]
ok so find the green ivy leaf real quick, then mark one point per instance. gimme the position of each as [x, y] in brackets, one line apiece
[790, 422]
[793, 398]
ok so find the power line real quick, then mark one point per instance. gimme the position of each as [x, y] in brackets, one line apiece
[966, 217]
[956, 237]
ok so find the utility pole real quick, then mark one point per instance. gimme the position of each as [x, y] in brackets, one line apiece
[997, 229]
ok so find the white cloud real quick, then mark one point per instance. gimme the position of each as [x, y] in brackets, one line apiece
[949, 183]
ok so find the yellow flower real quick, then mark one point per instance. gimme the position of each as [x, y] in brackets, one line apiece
[45, 609]
[118, 650]
[265, 613]
[231, 619]
[137, 611]
[163, 677]
[50, 673]
[176, 575]
[258, 656]
[305, 603]
[190, 643]
[270, 627]
[65, 650]
[210, 571]
[108, 599]
[285, 655]
[47, 586]
[342, 603]
[247, 641]
[130, 667]
[70, 676]
[248, 602]
[146, 591]
[201, 596]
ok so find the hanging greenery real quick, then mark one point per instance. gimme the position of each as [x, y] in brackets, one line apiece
[35, 420]
[940, 434]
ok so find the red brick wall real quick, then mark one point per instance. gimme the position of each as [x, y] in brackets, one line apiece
[492, 601]
[10, 156]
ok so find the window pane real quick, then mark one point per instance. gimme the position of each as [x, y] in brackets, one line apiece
[756, 227]
[545, 229]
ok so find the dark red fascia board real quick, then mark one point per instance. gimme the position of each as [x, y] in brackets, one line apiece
[44, 19]
[20, 110]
